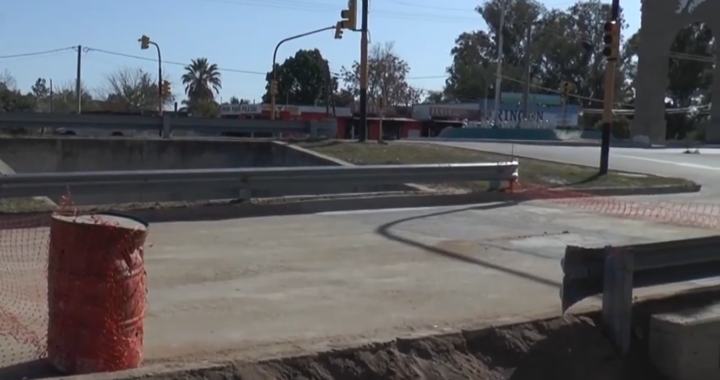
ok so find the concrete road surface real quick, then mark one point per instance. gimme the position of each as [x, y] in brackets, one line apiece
[260, 287]
[703, 168]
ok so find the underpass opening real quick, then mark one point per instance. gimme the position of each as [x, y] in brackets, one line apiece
[662, 23]
[689, 82]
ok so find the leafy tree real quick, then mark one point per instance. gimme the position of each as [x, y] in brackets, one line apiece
[303, 79]
[12, 99]
[41, 94]
[65, 99]
[202, 108]
[387, 74]
[433, 97]
[202, 81]
[472, 72]
[236, 100]
[40, 90]
[8, 80]
[134, 90]
[343, 97]
[566, 45]
[566, 58]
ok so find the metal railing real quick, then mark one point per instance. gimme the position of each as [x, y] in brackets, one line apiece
[165, 124]
[243, 179]
[616, 271]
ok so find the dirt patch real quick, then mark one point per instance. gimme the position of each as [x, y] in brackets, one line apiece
[572, 347]
[569, 348]
[532, 172]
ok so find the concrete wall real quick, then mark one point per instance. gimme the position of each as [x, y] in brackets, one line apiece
[70, 154]
[292, 155]
[660, 23]
[44, 155]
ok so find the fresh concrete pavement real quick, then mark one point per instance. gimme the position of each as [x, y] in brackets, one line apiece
[260, 287]
[270, 286]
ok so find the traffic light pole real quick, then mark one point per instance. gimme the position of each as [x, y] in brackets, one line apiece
[160, 79]
[609, 93]
[274, 71]
[364, 70]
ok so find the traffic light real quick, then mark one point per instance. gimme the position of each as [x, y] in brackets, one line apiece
[339, 30]
[381, 102]
[273, 88]
[165, 89]
[610, 40]
[349, 16]
[585, 42]
[565, 88]
[144, 42]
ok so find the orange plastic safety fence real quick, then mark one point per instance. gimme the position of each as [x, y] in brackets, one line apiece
[72, 290]
[697, 215]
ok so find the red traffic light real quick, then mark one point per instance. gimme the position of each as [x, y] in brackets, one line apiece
[609, 26]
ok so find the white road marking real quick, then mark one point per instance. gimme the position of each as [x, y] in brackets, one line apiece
[376, 211]
[683, 164]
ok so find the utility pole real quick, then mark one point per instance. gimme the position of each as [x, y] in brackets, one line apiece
[52, 97]
[498, 73]
[78, 80]
[526, 79]
[364, 69]
[611, 52]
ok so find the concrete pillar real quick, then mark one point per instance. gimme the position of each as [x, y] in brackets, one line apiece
[712, 132]
[651, 82]
[166, 129]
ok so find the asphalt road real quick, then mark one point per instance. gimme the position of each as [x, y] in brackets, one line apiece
[703, 168]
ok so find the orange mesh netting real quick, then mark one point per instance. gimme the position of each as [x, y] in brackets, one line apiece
[73, 287]
[73, 291]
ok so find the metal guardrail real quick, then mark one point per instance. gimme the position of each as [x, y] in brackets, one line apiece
[165, 123]
[243, 179]
[616, 271]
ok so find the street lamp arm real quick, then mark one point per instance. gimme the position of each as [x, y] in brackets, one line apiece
[294, 38]
[274, 72]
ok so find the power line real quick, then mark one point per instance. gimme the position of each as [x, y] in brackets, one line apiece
[330, 8]
[90, 49]
[45, 52]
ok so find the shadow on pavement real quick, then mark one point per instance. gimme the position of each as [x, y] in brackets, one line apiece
[31, 370]
[385, 231]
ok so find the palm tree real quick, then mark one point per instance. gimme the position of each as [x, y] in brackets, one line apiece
[202, 80]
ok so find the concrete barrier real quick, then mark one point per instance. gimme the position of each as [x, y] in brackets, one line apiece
[73, 154]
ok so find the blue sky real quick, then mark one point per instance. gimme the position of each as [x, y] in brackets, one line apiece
[236, 34]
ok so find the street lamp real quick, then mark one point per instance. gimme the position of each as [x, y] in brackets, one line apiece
[272, 77]
[145, 44]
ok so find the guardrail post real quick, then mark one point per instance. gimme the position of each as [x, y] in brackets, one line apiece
[166, 126]
[617, 296]
[313, 127]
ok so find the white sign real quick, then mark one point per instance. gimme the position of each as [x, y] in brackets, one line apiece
[241, 109]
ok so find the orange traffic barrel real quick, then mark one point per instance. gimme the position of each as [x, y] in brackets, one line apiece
[96, 293]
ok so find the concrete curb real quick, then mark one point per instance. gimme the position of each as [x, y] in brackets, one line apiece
[574, 143]
[516, 142]
[353, 202]
[643, 308]
[630, 191]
